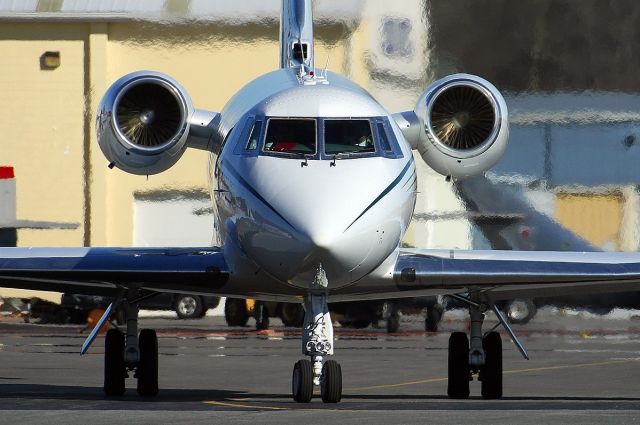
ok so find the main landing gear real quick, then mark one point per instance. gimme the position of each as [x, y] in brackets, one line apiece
[317, 342]
[131, 353]
[480, 355]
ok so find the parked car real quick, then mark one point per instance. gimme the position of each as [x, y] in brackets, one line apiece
[357, 315]
[186, 306]
[238, 311]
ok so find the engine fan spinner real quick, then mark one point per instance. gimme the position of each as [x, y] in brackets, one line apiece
[462, 117]
[464, 125]
[149, 114]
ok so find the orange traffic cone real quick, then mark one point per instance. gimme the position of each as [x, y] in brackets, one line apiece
[94, 317]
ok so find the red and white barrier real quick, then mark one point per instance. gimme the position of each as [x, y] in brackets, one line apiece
[7, 196]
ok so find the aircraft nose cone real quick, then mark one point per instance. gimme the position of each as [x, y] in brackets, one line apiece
[321, 239]
[330, 247]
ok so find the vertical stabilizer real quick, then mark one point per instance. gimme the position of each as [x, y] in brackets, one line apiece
[296, 34]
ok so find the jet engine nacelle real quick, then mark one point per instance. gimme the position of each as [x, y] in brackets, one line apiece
[463, 125]
[143, 122]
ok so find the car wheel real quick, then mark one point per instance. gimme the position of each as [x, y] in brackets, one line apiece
[235, 312]
[189, 307]
[292, 314]
[520, 311]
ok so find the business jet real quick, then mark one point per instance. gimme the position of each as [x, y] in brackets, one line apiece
[314, 185]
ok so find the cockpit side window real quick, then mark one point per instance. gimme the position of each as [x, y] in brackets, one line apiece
[254, 136]
[387, 140]
[348, 137]
[384, 141]
[291, 136]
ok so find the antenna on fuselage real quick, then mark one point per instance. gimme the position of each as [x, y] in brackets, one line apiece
[326, 67]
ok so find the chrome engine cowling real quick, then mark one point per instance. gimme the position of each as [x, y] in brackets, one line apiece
[464, 125]
[143, 122]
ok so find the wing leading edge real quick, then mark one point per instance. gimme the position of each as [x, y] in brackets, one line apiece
[495, 274]
[511, 274]
[101, 271]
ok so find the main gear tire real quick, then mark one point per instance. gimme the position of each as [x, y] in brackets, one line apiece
[491, 372]
[459, 370]
[114, 368]
[147, 371]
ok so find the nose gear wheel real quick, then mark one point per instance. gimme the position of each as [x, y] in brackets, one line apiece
[331, 382]
[302, 381]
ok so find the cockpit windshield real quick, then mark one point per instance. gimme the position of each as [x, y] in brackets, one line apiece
[348, 136]
[320, 138]
[293, 136]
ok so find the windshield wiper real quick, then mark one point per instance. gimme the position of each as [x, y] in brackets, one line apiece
[305, 156]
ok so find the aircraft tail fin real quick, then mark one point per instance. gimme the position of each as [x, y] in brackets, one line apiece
[296, 35]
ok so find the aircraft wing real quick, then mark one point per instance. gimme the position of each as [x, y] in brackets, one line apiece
[101, 271]
[495, 274]
[502, 275]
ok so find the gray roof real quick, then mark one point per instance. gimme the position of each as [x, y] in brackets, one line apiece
[229, 11]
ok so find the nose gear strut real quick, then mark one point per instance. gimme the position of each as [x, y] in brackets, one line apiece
[317, 342]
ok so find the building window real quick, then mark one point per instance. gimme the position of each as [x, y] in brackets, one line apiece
[395, 37]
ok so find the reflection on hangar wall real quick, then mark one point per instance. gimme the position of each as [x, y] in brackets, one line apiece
[587, 161]
[539, 45]
[582, 151]
[568, 70]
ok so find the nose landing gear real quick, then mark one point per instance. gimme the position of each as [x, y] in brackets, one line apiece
[317, 342]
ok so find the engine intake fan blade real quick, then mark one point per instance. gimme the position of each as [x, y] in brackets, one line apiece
[149, 115]
[462, 117]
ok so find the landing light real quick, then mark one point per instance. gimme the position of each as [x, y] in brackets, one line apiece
[408, 274]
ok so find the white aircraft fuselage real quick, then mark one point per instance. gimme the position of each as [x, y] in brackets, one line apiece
[293, 213]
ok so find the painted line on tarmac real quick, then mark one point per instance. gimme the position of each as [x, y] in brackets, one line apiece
[400, 384]
[423, 381]
[243, 406]
[572, 366]
[510, 372]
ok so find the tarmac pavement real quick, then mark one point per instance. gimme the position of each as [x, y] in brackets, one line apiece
[583, 369]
